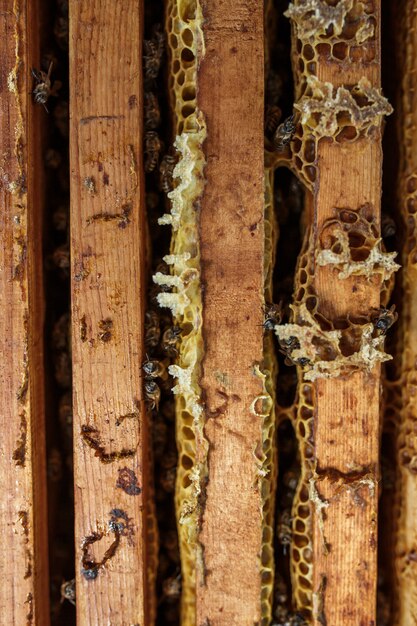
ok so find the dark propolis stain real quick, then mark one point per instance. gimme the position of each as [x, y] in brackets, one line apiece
[128, 481]
[91, 437]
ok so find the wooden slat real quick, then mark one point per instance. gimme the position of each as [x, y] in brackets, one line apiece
[107, 247]
[232, 243]
[24, 590]
[346, 423]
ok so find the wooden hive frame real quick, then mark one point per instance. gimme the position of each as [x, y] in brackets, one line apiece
[223, 249]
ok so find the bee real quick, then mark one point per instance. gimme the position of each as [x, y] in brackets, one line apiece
[61, 117]
[171, 588]
[384, 319]
[152, 112]
[154, 50]
[273, 116]
[284, 529]
[166, 172]
[44, 88]
[388, 227]
[61, 257]
[152, 395]
[159, 436]
[53, 159]
[60, 218]
[283, 134]
[61, 31]
[152, 329]
[154, 369]
[272, 316]
[68, 591]
[167, 479]
[54, 466]
[169, 341]
[153, 146]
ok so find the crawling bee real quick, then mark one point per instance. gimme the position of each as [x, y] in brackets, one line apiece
[170, 339]
[152, 395]
[152, 112]
[284, 529]
[388, 226]
[54, 466]
[171, 588]
[166, 172]
[384, 319]
[167, 479]
[154, 50]
[272, 316]
[154, 369]
[44, 88]
[152, 329]
[283, 134]
[273, 116]
[68, 591]
[153, 146]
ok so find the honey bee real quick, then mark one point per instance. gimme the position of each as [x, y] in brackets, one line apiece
[152, 329]
[152, 395]
[171, 588]
[60, 218]
[159, 436]
[154, 50]
[283, 134]
[284, 529]
[167, 479]
[152, 112]
[154, 369]
[53, 159]
[61, 117]
[169, 341]
[272, 315]
[384, 319]
[54, 466]
[68, 591]
[388, 226]
[166, 171]
[153, 146]
[273, 116]
[44, 88]
[61, 257]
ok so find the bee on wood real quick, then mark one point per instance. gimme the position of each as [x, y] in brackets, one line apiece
[152, 395]
[152, 112]
[68, 591]
[152, 329]
[153, 147]
[171, 588]
[273, 116]
[166, 172]
[44, 88]
[154, 369]
[384, 319]
[169, 341]
[283, 134]
[272, 315]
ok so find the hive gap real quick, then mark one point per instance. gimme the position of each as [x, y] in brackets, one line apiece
[58, 375]
[158, 182]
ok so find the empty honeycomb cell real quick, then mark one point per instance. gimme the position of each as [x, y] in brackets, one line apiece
[187, 110]
[187, 10]
[340, 51]
[173, 41]
[187, 37]
[188, 92]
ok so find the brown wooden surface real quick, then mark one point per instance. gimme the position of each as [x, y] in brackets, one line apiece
[347, 410]
[107, 235]
[232, 243]
[24, 589]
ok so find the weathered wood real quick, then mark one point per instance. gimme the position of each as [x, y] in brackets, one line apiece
[228, 589]
[108, 285]
[24, 589]
[346, 423]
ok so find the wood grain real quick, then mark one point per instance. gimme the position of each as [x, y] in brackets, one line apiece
[346, 422]
[108, 286]
[230, 96]
[24, 591]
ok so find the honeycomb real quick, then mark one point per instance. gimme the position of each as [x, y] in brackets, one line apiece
[185, 47]
[269, 466]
